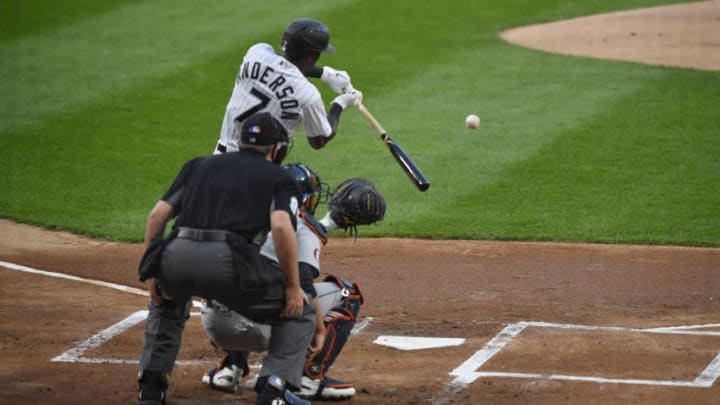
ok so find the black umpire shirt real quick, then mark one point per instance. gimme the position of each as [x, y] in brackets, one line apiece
[233, 192]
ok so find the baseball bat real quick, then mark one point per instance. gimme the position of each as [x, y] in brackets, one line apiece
[407, 164]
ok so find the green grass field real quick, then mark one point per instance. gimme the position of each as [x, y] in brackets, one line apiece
[102, 102]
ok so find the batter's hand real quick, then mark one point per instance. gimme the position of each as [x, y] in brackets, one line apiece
[295, 299]
[351, 98]
[338, 80]
[152, 287]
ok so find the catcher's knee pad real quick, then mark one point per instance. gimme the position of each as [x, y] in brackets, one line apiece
[339, 322]
[352, 296]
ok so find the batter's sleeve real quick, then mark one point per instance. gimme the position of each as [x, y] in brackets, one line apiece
[315, 122]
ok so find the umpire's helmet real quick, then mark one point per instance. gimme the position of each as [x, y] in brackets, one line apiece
[306, 35]
[313, 190]
[264, 129]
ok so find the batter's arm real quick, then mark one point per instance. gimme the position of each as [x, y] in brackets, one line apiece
[315, 71]
[333, 117]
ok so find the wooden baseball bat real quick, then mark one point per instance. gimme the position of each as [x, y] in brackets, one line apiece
[407, 164]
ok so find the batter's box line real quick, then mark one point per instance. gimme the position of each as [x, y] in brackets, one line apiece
[468, 372]
[77, 353]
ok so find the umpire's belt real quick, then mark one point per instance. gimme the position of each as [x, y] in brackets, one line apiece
[206, 235]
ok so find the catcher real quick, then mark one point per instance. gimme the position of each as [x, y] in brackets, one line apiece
[354, 202]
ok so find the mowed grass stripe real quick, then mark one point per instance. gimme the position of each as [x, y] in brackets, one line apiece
[64, 69]
[32, 17]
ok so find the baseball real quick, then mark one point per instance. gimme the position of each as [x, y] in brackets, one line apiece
[472, 121]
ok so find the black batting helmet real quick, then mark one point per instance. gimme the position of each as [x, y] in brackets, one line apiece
[306, 35]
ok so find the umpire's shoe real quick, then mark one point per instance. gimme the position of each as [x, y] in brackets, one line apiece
[328, 388]
[151, 388]
[272, 391]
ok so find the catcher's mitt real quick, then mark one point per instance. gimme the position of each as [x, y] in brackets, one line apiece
[355, 202]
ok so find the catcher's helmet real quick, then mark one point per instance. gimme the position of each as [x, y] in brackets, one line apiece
[306, 35]
[313, 190]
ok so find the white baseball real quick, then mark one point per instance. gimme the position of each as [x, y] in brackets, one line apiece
[472, 121]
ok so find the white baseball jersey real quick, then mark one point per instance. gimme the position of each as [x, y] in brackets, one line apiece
[268, 82]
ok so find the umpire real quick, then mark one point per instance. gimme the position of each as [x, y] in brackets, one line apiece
[224, 206]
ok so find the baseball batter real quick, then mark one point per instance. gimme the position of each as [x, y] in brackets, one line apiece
[278, 84]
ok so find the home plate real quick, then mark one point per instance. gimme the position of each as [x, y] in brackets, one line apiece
[417, 343]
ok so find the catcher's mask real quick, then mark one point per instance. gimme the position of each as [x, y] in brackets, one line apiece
[314, 191]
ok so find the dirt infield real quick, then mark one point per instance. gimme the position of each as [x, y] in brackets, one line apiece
[573, 323]
[681, 35]
[540, 323]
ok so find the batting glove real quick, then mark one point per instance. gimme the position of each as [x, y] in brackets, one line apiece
[352, 98]
[338, 80]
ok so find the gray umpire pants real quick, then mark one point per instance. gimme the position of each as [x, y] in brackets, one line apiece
[234, 332]
[205, 269]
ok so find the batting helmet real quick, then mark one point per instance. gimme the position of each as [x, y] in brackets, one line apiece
[306, 35]
[313, 190]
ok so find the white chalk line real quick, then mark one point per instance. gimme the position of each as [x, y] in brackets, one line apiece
[599, 380]
[669, 330]
[359, 326]
[114, 286]
[467, 372]
[687, 327]
[76, 354]
[17, 267]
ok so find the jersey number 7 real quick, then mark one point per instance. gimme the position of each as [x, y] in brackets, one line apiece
[264, 100]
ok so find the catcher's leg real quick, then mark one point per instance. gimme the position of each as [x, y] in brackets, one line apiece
[339, 321]
[236, 335]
